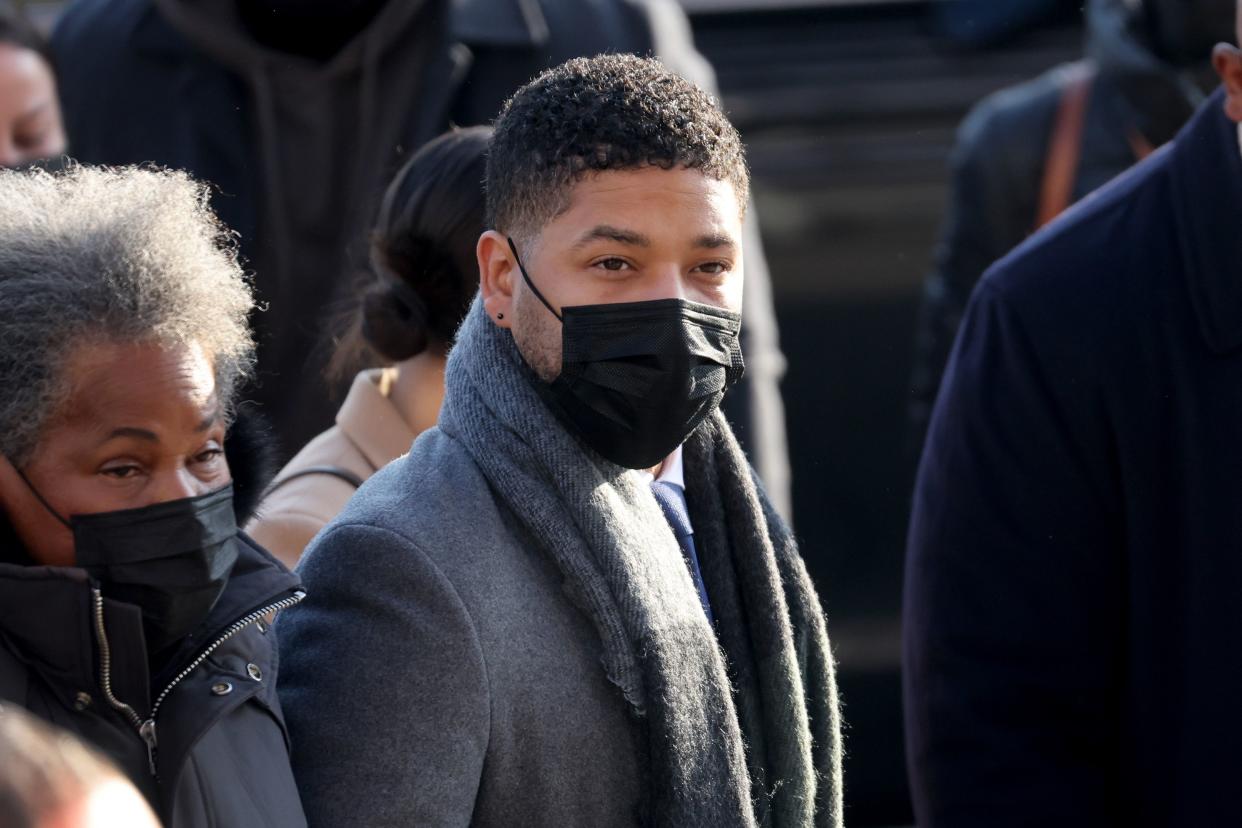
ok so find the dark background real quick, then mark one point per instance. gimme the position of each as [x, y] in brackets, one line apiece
[849, 112]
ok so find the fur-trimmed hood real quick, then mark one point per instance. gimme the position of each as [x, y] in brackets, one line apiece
[254, 458]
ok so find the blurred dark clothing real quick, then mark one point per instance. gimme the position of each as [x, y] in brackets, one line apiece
[980, 23]
[221, 748]
[301, 149]
[1135, 102]
[1075, 557]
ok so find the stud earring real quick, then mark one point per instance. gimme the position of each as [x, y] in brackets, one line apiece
[500, 316]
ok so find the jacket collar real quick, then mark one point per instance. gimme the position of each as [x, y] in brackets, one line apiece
[372, 423]
[1206, 174]
[257, 581]
[47, 616]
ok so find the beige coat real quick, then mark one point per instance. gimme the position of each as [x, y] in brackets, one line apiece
[369, 433]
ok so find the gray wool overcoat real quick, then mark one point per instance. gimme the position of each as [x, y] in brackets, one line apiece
[440, 675]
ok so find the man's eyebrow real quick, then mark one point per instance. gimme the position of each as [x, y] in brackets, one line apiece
[607, 232]
[715, 241]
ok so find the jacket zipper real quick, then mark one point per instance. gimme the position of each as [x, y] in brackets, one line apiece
[146, 727]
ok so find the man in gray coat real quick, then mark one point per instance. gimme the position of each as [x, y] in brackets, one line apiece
[572, 603]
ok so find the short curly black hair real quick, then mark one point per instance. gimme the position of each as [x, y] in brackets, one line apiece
[610, 112]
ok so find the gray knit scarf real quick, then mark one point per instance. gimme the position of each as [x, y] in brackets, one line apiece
[741, 723]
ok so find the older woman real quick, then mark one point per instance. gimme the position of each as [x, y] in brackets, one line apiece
[132, 611]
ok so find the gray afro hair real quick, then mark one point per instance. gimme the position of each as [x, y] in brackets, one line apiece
[109, 254]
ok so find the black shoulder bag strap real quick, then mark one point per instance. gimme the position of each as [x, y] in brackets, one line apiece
[331, 471]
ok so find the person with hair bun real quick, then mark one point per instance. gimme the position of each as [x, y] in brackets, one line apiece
[424, 276]
[31, 128]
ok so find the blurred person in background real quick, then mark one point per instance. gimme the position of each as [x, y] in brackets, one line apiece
[426, 274]
[132, 611]
[30, 121]
[52, 780]
[1075, 555]
[571, 603]
[301, 111]
[1026, 153]
[987, 23]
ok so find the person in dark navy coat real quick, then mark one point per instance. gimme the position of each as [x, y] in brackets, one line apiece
[1073, 607]
[1027, 152]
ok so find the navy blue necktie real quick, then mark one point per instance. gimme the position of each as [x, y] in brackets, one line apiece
[674, 508]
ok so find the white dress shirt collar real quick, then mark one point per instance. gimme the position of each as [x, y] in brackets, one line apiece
[672, 471]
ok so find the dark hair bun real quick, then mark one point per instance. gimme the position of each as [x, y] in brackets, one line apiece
[423, 271]
[394, 321]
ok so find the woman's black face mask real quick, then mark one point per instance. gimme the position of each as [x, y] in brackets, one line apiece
[172, 560]
[637, 378]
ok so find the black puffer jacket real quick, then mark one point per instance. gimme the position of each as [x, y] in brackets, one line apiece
[205, 741]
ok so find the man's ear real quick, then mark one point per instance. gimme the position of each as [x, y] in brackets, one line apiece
[496, 277]
[1227, 61]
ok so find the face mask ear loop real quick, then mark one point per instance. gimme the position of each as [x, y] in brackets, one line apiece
[529, 283]
[40, 498]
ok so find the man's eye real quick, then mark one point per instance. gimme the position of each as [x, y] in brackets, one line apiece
[714, 268]
[612, 263]
[121, 472]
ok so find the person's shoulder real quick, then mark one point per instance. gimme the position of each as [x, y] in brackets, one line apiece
[286, 534]
[438, 469]
[305, 495]
[1018, 116]
[1107, 244]
[305, 485]
[124, 47]
[426, 521]
[436, 498]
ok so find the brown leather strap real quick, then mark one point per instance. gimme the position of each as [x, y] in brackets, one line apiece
[1065, 145]
[1139, 144]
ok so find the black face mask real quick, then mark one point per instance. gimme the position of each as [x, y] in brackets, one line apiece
[172, 560]
[637, 378]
